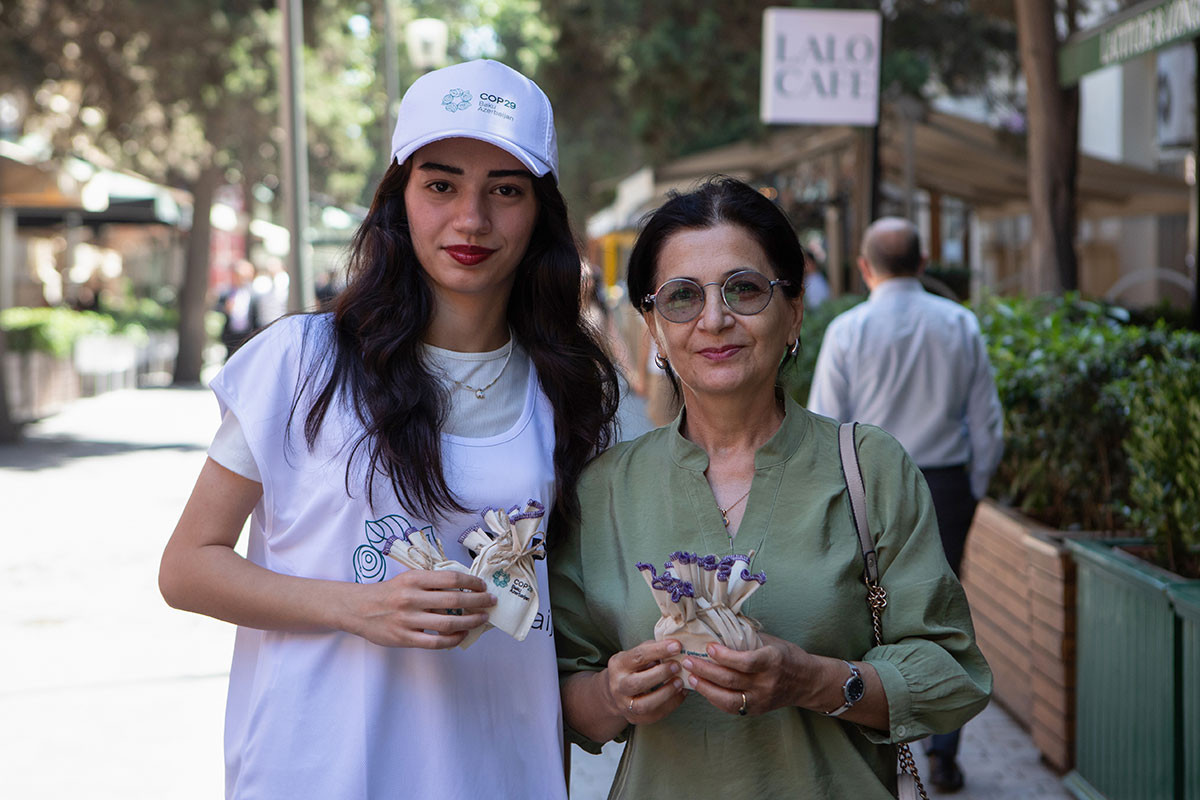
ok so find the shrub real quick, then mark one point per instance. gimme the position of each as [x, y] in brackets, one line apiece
[1053, 357]
[1101, 416]
[143, 312]
[796, 375]
[1163, 448]
[1067, 371]
[50, 330]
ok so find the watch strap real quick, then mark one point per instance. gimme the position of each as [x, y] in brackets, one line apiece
[855, 673]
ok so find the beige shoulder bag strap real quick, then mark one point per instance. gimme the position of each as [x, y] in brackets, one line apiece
[908, 781]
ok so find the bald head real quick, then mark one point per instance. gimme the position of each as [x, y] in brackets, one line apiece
[892, 247]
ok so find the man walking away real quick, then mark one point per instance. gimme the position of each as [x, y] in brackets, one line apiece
[915, 365]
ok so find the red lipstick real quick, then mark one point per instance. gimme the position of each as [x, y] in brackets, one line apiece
[469, 254]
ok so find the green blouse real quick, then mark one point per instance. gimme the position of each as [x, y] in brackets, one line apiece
[644, 499]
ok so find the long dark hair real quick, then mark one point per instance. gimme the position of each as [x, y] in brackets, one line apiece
[720, 200]
[374, 361]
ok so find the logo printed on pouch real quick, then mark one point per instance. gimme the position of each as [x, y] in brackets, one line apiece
[456, 100]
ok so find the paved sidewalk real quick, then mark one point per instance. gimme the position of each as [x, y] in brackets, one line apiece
[105, 692]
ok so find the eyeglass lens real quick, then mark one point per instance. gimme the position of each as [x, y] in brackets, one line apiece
[745, 293]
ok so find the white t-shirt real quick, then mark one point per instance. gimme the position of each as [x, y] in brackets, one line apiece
[504, 371]
[330, 715]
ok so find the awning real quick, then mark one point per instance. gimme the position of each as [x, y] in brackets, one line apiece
[24, 185]
[45, 192]
[984, 167]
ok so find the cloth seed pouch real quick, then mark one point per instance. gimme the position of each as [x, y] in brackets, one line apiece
[504, 550]
[701, 599]
[417, 549]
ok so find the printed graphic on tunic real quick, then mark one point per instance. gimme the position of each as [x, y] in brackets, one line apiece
[370, 564]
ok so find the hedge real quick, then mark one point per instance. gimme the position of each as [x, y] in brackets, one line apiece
[1101, 415]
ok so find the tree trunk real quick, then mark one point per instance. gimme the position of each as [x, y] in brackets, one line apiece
[10, 431]
[193, 294]
[1053, 143]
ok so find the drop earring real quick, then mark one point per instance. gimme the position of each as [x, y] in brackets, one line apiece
[661, 362]
[794, 350]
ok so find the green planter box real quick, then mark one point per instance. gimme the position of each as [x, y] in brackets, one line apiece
[1186, 600]
[1129, 726]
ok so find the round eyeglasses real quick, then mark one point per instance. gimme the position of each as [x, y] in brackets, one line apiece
[682, 299]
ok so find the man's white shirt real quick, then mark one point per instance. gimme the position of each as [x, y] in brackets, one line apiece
[915, 365]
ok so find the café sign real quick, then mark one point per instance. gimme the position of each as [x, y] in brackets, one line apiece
[820, 67]
[1142, 29]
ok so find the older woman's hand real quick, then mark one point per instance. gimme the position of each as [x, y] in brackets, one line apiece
[773, 676]
[781, 674]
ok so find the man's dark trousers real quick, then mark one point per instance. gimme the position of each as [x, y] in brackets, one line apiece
[955, 506]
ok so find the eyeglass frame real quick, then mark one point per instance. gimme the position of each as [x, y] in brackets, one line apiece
[648, 301]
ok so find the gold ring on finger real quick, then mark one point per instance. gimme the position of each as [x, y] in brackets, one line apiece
[742, 710]
[630, 706]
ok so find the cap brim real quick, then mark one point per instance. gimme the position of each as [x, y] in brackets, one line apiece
[535, 165]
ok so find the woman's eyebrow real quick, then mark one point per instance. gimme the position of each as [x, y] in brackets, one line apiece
[433, 166]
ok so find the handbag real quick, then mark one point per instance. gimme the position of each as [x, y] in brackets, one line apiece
[908, 779]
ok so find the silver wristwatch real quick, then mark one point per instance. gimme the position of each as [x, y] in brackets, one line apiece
[852, 691]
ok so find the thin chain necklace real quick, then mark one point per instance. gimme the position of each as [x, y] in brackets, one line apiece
[479, 391]
[725, 511]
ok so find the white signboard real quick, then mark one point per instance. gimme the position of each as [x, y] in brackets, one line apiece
[820, 67]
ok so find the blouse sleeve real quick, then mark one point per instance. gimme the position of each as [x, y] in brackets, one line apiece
[932, 670]
[582, 645]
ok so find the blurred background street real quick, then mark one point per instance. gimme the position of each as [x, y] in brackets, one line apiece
[174, 176]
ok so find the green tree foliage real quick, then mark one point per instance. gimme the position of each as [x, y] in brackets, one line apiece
[186, 94]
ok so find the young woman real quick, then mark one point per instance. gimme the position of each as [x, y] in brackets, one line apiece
[453, 375]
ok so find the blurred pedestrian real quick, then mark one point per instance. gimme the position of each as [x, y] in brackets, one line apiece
[816, 287]
[453, 375]
[916, 365]
[240, 305]
[270, 286]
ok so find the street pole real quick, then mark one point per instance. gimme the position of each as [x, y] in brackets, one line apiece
[1195, 210]
[302, 295]
[391, 71]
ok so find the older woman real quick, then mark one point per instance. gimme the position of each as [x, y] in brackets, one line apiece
[817, 710]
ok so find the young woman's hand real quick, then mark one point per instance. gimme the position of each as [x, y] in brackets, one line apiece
[431, 609]
[643, 686]
[639, 686]
[202, 572]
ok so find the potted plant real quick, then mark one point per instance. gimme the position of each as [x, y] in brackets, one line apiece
[1132, 613]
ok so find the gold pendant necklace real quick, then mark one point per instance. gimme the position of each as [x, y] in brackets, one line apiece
[725, 511]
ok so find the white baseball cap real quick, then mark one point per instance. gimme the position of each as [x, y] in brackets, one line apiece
[482, 100]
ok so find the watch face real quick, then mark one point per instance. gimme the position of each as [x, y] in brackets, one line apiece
[854, 689]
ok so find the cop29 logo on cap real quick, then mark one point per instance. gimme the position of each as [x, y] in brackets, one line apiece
[457, 100]
[502, 102]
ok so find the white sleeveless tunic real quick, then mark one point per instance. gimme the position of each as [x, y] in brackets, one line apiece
[330, 715]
